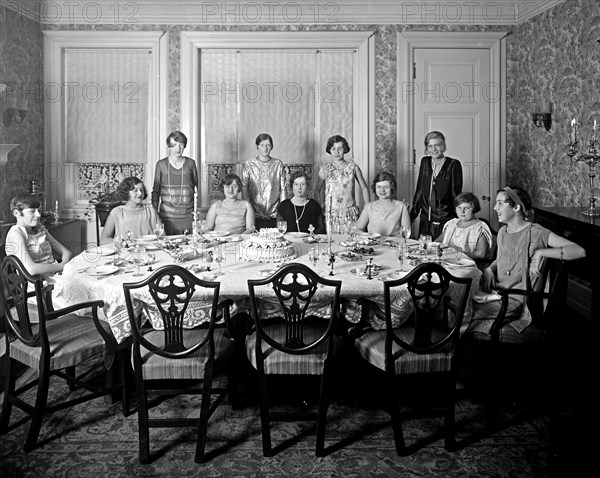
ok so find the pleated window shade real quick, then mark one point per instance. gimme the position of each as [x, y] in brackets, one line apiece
[299, 97]
[106, 105]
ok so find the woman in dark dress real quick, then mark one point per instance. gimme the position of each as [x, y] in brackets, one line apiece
[300, 211]
[440, 181]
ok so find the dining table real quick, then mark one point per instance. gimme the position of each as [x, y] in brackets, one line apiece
[93, 275]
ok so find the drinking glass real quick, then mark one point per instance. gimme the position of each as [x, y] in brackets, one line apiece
[219, 258]
[159, 229]
[424, 242]
[202, 227]
[139, 256]
[313, 256]
[282, 227]
[118, 243]
[402, 254]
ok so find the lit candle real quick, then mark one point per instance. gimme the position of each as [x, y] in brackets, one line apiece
[196, 204]
[56, 206]
[594, 128]
[573, 136]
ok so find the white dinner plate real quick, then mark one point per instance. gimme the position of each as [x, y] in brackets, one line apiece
[152, 247]
[101, 250]
[368, 235]
[101, 270]
[460, 262]
[215, 234]
[148, 238]
[297, 234]
[234, 238]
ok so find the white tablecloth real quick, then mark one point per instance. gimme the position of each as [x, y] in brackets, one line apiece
[80, 286]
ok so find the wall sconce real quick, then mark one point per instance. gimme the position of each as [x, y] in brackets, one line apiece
[16, 110]
[544, 116]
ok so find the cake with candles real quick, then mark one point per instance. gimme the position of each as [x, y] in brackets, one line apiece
[267, 245]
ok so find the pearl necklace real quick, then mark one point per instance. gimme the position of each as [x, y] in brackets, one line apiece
[169, 181]
[301, 214]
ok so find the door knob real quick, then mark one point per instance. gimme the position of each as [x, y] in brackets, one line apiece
[486, 198]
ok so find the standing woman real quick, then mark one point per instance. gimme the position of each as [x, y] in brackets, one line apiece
[175, 182]
[440, 181]
[339, 176]
[263, 183]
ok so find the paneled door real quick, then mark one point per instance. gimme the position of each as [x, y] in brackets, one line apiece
[454, 98]
[453, 82]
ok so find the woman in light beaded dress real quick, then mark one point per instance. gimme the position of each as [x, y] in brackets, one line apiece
[263, 183]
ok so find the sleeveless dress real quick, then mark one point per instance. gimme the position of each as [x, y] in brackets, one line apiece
[385, 220]
[231, 218]
[37, 245]
[139, 221]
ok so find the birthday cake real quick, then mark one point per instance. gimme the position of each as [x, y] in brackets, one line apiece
[268, 245]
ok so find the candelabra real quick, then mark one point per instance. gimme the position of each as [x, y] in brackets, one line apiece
[330, 253]
[591, 157]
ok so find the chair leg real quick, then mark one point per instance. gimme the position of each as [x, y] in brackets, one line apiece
[394, 405]
[38, 411]
[143, 432]
[203, 420]
[264, 416]
[323, 406]
[70, 371]
[10, 381]
[449, 417]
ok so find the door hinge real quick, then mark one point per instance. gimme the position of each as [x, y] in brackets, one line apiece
[414, 156]
[414, 70]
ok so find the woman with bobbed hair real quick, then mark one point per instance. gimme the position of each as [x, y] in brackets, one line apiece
[231, 214]
[440, 181]
[300, 211]
[522, 248]
[339, 177]
[175, 183]
[386, 216]
[134, 216]
[467, 233]
[263, 182]
[30, 241]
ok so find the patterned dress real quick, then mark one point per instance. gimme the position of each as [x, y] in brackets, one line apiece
[263, 185]
[175, 189]
[466, 237]
[339, 183]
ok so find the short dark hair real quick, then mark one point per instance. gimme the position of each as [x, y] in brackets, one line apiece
[24, 200]
[468, 198]
[230, 179]
[298, 174]
[433, 135]
[129, 184]
[177, 136]
[263, 137]
[525, 198]
[337, 139]
[385, 176]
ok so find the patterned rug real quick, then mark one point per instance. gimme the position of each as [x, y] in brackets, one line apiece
[94, 440]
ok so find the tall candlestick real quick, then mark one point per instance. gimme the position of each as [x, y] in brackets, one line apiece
[573, 135]
[196, 205]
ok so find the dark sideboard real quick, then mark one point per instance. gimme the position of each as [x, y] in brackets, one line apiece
[583, 294]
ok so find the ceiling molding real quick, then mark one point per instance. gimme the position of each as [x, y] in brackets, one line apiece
[281, 12]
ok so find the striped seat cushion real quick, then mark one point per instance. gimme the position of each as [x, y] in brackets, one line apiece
[73, 339]
[277, 362]
[156, 367]
[529, 335]
[371, 347]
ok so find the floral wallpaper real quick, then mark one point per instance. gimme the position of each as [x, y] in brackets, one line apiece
[553, 57]
[21, 67]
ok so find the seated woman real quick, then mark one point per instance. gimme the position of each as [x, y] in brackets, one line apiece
[134, 216]
[522, 245]
[466, 233]
[231, 214]
[386, 216]
[29, 240]
[300, 211]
